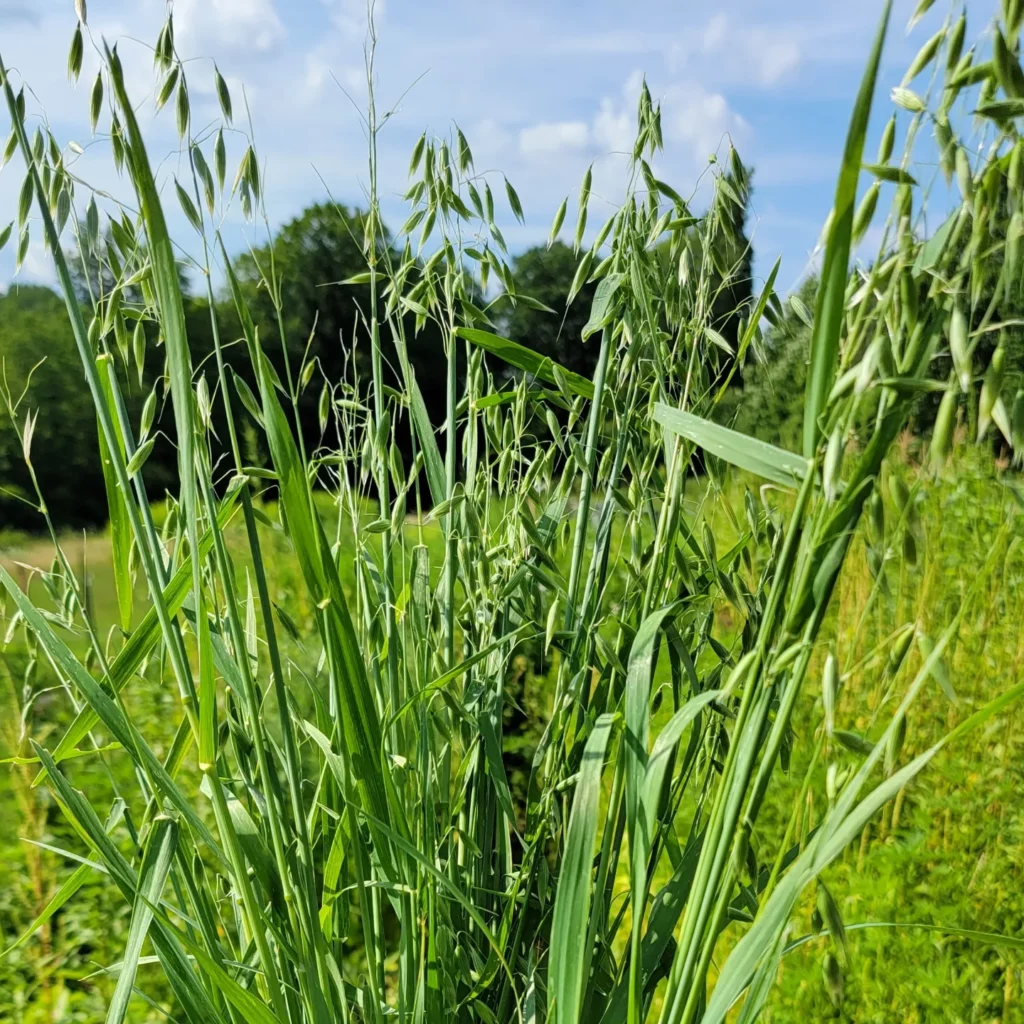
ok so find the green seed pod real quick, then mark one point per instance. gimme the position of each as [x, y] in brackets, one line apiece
[895, 744]
[924, 57]
[830, 691]
[1015, 175]
[866, 210]
[909, 546]
[866, 367]
[75, 54]
[956, 43]
[740, 849]
[709, 544]
[1011, 256]
[965, 73]
[899, 493]
[396, 465]
[909, 299]
[829, 910]
[1007, 69]
[876, 515]
[888, 139]
[833, 464]
[833, 974]
[963, 175]
[942, 433]
[831, 782]
[908, 100]
[990, 388]
[750, 508]
[900, 647]
[725, 581]
[958, 348]
[947, 149]
[148, 412]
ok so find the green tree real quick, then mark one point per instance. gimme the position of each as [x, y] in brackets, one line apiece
[770, 403]
[546, 274]
[324, 319]
[41, 368]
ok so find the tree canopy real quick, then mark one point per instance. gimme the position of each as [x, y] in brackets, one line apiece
[38, 356]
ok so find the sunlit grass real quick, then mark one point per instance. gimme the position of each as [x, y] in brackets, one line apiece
[295, 722]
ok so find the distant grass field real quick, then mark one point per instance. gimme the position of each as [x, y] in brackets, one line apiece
[949, 852]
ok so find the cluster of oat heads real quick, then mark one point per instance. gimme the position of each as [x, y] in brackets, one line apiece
[364, 857]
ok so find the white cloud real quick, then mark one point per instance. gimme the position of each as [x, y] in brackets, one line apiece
[553, 137]
[768, 53]
[700, 120]
[615, 121]
[350, 16]
[613, 127]
[778, 59]
[322, 73]
[239, 24]
[490, 141]
[715, 32]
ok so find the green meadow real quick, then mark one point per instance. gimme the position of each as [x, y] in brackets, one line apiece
[374, 652]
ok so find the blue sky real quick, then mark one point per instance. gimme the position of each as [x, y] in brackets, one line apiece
[541, 89]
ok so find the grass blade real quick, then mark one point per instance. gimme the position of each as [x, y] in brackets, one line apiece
[527, 360]
[183, 980]
[142, 641]
[68, 888]
[759, 457]
[110, 713]
[635, 737]
[120, 522]
[570, 957]
[828, 311]
[156, 863]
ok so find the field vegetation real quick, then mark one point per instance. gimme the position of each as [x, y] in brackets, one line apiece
[552, 692]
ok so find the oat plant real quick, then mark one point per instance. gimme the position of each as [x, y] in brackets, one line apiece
[333, 835]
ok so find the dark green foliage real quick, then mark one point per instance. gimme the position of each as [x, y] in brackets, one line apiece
[770, 404]
[732, 257]
[546, 275]
[313, 255]
[33, 330]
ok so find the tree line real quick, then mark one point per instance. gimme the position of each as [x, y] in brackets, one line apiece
[314, 319]
[318, 319]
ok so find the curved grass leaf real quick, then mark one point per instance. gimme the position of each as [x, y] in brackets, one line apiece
[528, 360]
[108, 710]
[759, 457]
[120, 521]
[828, 310]
[570, 955]
[156, 864]
[186, 985]
[143, 640]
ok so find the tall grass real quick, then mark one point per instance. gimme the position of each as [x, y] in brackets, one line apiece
[354, 851]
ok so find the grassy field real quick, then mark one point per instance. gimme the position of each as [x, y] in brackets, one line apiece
[644, 716]
[947, 854]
